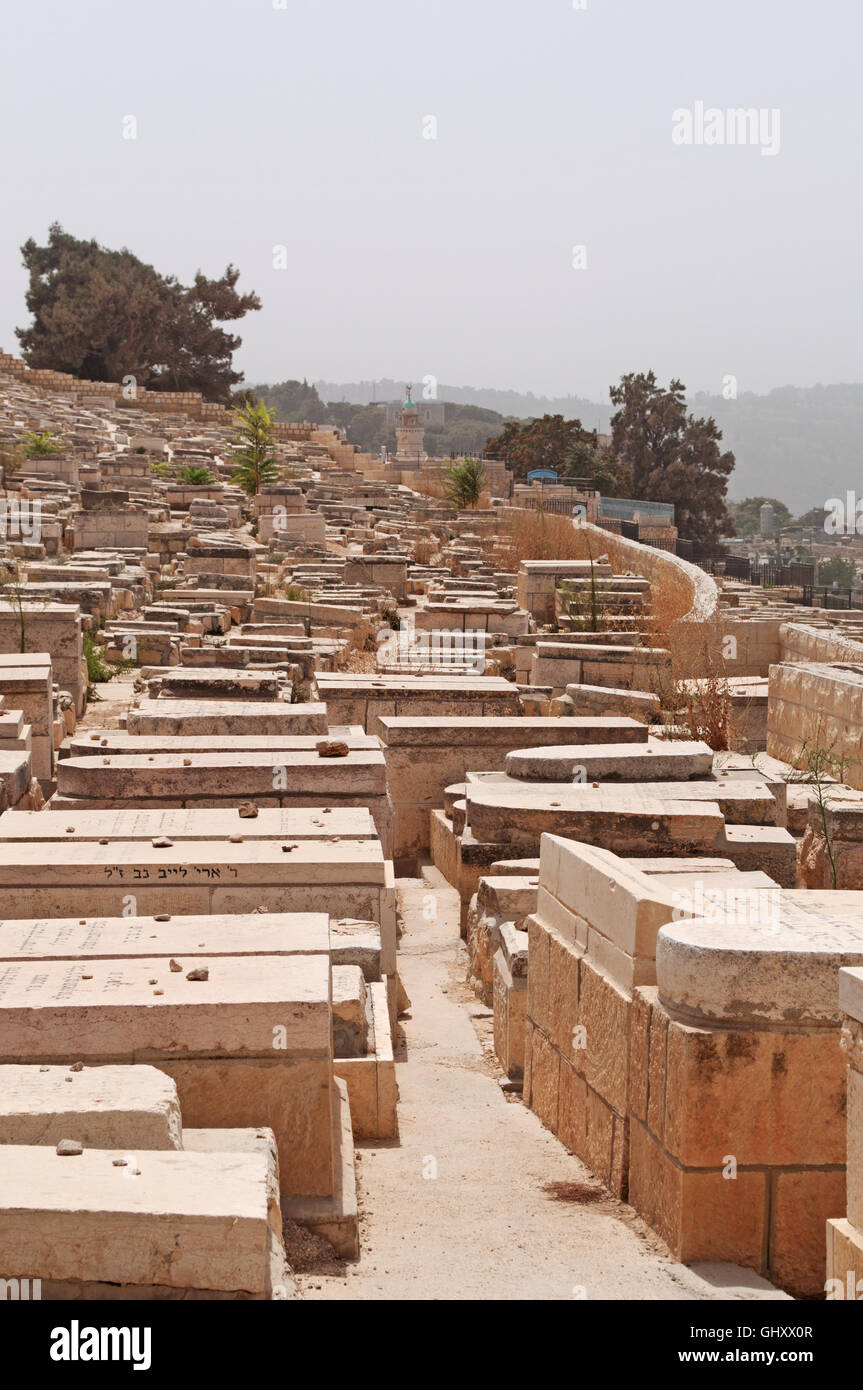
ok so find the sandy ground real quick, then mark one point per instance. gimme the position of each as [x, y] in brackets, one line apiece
[460, 1209]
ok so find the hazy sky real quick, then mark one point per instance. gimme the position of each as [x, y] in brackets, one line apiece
[301, 124]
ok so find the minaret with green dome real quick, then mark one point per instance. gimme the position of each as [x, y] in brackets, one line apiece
[410, 434]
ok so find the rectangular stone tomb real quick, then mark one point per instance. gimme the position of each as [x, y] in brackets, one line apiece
[101, 1107]
[120, 938]
[638, 821]
[225, 717]
[216, 681]
[208, 780]
[357, 699]
[193, 877]
[221, 776]
[598, 699]
[642, 668]
[622, 1085]
[196, 1222]
[249, 1045]
[425, 754]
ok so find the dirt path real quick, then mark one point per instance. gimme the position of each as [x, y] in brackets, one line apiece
[458, 1210]
[114, 699]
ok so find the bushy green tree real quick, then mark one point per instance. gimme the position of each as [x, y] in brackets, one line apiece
[296, 400]
[104, 315]
[746, 515]
[814, 518]
[585, 460]
[541, 443]
[672, 456]
[837, 570]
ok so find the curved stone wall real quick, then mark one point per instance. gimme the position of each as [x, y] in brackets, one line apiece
[695, 591]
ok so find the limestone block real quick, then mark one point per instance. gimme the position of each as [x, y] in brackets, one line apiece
[106, 1107]
[184, 1221]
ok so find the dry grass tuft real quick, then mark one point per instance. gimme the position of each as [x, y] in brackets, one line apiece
[429, 487]
[533, 535]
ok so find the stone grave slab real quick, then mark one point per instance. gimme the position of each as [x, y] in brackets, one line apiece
[656, 760]
[777, 973]
[188, 1221]
[249, 1045]
[102, 1107]
[270, 718]
[271, 823]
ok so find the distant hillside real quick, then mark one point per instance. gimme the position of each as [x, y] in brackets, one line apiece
[523, 404]
[465, 430]
[800, 444]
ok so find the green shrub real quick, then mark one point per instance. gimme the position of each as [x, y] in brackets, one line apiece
[97, 668]
[196, 475]
[40, 444]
